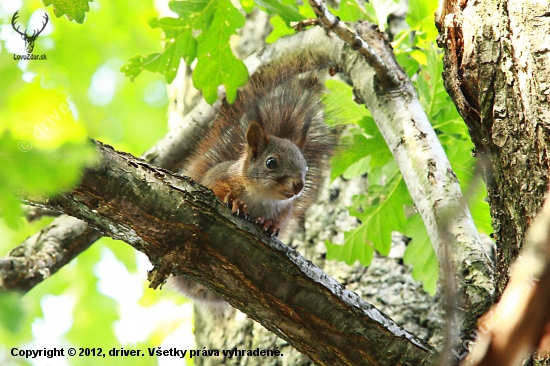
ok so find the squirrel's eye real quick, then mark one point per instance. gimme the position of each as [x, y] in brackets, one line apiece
[271, 163]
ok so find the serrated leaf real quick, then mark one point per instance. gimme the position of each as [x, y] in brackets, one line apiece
[74, 9]
[216, 63]
[167, 62]
[378, 219]
[420, 255]
[202, 31]
[386, 216]
[355, 248]
[134, 66]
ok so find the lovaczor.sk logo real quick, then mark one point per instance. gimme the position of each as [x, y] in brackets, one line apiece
[29, 40]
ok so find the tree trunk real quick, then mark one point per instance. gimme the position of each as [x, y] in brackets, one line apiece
[497, 72]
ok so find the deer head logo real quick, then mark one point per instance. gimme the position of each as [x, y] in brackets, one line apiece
[29, 40]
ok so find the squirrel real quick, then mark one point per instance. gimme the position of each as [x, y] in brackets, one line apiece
[265, 155]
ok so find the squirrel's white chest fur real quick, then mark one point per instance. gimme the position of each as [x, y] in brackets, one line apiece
[269, 208]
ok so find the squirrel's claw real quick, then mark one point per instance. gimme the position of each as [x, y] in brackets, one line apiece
[238, 207]
[270, 227]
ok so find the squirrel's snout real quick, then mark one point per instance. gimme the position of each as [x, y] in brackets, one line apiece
[298, 186]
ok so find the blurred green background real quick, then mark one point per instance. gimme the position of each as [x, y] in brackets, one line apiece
[47, 110]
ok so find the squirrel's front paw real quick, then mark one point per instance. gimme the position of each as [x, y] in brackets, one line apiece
[237, 206]
[271, 227]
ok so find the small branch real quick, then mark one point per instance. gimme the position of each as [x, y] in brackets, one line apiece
[185, 230]
[36, 213]
[44, 253]
[298, 26]
[377, 57]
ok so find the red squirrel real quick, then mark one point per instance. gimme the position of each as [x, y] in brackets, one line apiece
[266, 154]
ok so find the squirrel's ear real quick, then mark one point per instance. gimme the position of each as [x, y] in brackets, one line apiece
[256, 138]
[300, 139]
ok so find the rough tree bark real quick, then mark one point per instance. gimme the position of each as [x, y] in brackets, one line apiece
[497, 70]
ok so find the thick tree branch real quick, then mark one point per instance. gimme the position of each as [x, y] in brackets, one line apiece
[371, 44]
[184, 229]
[497, 72]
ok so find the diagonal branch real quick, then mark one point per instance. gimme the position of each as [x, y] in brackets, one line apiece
[45, 252]
[389, 94]
[184, 229]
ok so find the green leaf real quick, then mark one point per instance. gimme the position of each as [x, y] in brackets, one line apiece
[383, 8]
[358, 168]
[184, 8]
[216, 63]
[356, 248]
[248, 5]
[421, 11]
[287, 12]
[354, 148]
[420, 254]
[202, 31]
[166, 62]
[379, 217]
[420, 17]
[339, 103]
[38, 172]
[386, 213]
[43, 147]
[350, 11]
[74, 9]
[280, 29]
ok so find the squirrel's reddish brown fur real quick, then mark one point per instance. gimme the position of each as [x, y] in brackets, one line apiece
[266, 154]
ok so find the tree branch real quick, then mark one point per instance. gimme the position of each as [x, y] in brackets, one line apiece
[185, 230]
[44, 253]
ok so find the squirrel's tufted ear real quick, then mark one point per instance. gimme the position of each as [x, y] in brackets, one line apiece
[256, 138]
[300, 139]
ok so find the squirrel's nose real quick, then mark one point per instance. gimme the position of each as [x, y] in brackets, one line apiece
[298, 186]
